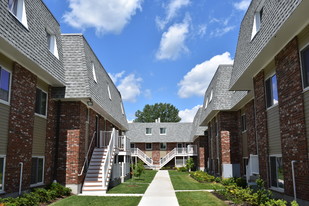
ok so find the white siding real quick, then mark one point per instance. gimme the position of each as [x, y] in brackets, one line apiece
[39, 136]
[273, 123]
[4, 127]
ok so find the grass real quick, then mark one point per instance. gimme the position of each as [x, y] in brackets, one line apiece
[95, 200]
[198, 198]
[135, 185]
[182, 181]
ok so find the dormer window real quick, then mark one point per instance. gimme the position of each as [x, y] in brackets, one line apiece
[93, 73]
[162, 131]
[257, 22]
[206, 103]
[52, 44]
[211, 95]
[17, 8]
[148, 131]
[109, 92]
[121, 106]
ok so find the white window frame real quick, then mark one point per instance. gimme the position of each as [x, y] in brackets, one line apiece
[10, 84]
[274, 103]
[43, 172]
[46, 106]
[257, 20]
[148, 148]
[164, 148]
[211, 95]
[109, 92]
[206, 103]
[279, 189]
[94, 75]
[52, 43]
[3, 176]
[148, 129]
[163, 128]
[20, 13]
[243, 121]
[121, 106]
[305, 87]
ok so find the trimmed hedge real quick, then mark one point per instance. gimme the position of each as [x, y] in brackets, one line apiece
[37, 196]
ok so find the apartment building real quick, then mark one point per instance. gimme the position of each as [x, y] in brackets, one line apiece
[57, 105]
[268, 95]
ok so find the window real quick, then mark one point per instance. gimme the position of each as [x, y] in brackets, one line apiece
[211, 94]
[257, 22]
[37, 170]
[132, 145]
[95, 76]
[17, 8]
[148, 131]
[206, 103]
[163, 146]
[109, 92]
[148, 146]
[276, 172]
[271, 91]
[5, 78]
[121, 106]
[40, 102]
[52, 43]
[245, 164]
[2, 166]
[216, 128]
[243, 123]
[162, 131]
[305, 66]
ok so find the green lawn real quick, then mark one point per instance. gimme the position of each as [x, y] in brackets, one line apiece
[95, 200]
[198, 199]
[135, 185]
[182, 181]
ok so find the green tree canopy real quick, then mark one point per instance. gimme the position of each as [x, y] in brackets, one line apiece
[166, 112]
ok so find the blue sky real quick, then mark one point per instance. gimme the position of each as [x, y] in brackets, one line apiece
[154, 50]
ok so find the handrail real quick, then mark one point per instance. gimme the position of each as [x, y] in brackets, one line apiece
[168, 157]
[86, 157]
[143, 156]
[109, 154]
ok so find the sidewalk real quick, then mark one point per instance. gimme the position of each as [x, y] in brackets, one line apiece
[160, 191]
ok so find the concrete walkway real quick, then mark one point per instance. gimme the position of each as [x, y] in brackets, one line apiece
[160, 191]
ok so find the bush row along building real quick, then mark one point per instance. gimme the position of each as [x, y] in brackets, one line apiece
[257, 110]
[55, 101]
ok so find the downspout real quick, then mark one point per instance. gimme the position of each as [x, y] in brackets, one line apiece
[293, 177]
[57, 140]
[20, 176]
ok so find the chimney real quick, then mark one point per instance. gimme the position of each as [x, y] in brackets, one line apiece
[159, 120]
[156, 121]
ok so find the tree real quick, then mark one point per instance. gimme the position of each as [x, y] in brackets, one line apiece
[166, 112]
[189, 164]
[138, 169]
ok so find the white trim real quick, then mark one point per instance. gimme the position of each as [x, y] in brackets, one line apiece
[150, 131]
[270, 76]
[43, 171]
[164, 131]
[3, 176]
[211, 95]
[121, 106]
[278, 189]
[109, 92]
[10, 87]
[21, 13]
[94, 75]
[41, 115]
[301, 67]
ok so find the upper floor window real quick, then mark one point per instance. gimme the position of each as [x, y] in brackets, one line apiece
[305, 66]
[121, 106]
[2, 163]
[52, 44]
[271, 91]
[109, 92]
[257, 22]
[211, 95]
[17, 8]
[94, 74]
[163, 130]
[5, 78]
[41, 102]
[243, 123]
[148, 131]
[206, 103]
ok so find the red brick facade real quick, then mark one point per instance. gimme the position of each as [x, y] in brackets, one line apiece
[250, 125]
[292, 119]
[200, 142]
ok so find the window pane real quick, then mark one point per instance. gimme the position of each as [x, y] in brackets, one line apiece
[163, 146]
[148, 130]
[13, 6]
[34, 171]
[280, 172]
[273, 171]
[41, 102]
[274, 89]
[269, 99]
[162, 130]
[1, 172]
[40, 170]
[305, 66]
[4, 84]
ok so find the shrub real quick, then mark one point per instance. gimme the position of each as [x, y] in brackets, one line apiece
[44, 194]
[138, 169]
[294, 203]
[189, 164]
[202, 176]
[60, 190]
[181, 169]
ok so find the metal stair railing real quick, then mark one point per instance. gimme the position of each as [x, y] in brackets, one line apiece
[86, 157]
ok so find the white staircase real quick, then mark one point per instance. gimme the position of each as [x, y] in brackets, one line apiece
[140, 154]
[99, 171]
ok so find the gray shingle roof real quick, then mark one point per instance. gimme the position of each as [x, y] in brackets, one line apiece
[78, 63]
[175, 132]
[197, 130]
[222, 98]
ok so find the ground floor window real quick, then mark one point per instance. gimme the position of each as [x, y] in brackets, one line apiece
[163, 146]
[37, 170]
[148, 146]
[276, 172]
[2, 164]
[245, 164]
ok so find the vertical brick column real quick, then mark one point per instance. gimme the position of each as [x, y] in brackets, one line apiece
[21, 123]
[200, 143]
[72, 156]
[250, 120]
[156, 153]
[225, 147]
[292, 119]
[261, 125]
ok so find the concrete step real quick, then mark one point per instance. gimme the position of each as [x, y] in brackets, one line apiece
[92, 184]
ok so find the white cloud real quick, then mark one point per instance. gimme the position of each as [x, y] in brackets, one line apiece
[188, 115]
[171, 11]
[202, 30]
[221, 31]
[147, 94]
[242, 5]
[116, 76]
[106, 16]
[130, 88]
[197, 80]
[172, 43]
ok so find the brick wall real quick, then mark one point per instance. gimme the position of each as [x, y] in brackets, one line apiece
[156, 153]
[200, 142]
[250, 121]
[21, 121]
[261, 124]
[170, 146]
[292, 119]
